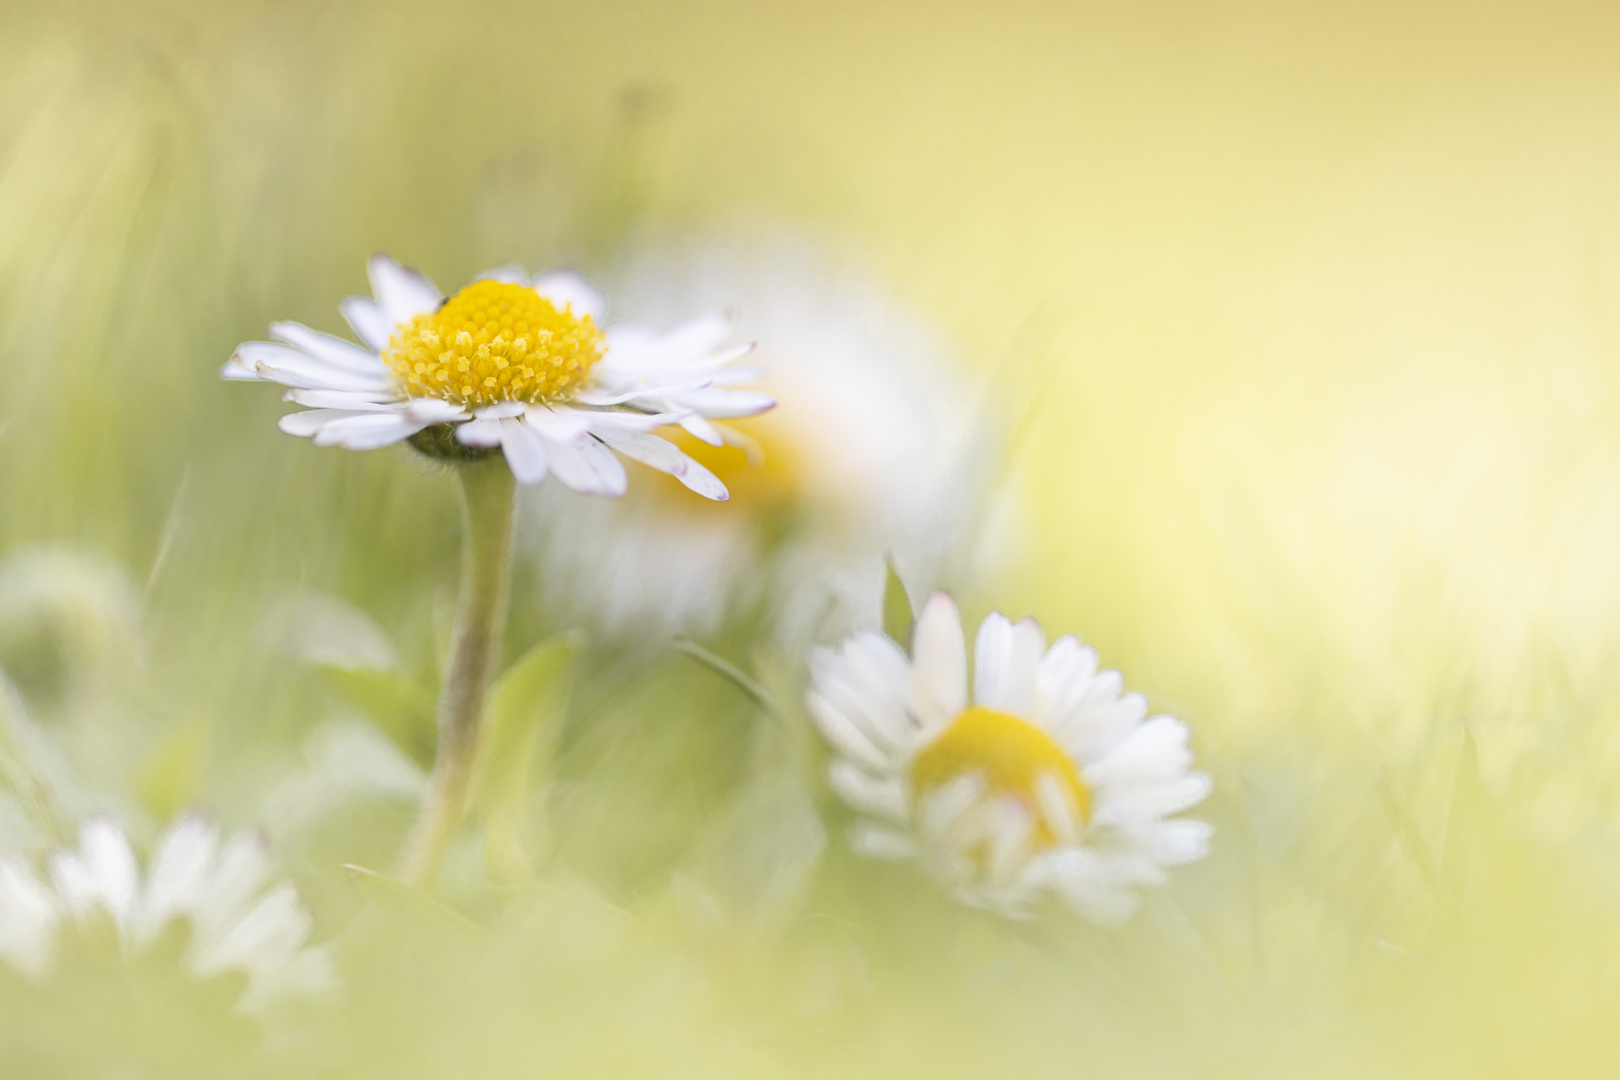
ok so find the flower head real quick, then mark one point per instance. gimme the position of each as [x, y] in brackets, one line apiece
[1050, 780]
[881, 451]
[509, 362]
[235, 922]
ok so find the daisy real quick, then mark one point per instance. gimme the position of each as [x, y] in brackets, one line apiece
[1050, 781]
[236, 923]
[509, 362]
[878, 453]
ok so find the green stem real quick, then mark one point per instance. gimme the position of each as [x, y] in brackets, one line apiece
[486, 556]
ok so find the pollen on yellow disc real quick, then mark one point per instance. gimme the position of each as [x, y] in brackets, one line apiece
[1008, 754]
[494, 341]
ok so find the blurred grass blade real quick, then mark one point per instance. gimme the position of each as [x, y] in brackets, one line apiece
[730, 672]
[1411, 836]
[18, 770]
[897, 611]
[1461, 830]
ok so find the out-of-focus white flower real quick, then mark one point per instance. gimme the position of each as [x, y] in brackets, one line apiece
[1051, 780]
[872, 451]
[514, 362]
[239, 920]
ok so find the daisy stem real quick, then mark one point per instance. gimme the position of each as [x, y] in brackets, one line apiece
[486, 557]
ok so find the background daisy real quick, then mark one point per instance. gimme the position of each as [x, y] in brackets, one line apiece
[1051, 779]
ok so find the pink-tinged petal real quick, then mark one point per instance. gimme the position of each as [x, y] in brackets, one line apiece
[702, 430]
[664, 456]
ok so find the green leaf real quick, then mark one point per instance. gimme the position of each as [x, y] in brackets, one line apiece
[414, 908]
[173, 776]
[400, 706]
[897, 611]
[528, 694]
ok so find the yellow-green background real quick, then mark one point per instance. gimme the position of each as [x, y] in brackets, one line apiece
[1306, 318]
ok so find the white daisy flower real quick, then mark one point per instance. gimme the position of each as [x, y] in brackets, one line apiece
[512, 362]
[877, 453]
[1050, 781]
[239, 921]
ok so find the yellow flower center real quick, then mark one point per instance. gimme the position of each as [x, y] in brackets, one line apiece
[494, 341]
[1007, 754]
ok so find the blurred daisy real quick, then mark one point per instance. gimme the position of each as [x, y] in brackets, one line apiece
[1050, 781]
[214, 893]
[512, 362]
[875, 453]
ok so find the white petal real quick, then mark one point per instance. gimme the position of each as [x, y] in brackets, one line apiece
[286, 365]
[702, 430]
[306, 424]
[369, 321]
[1057, 807]
[585, 465]
[1005, 658]
[483, 434]
[1181, 841]
[28, 918]
[368, 432]
[111, 864]
[401, 292]
[266, 935]
[939, 663]
[511, 273]
[238, 370]
[566, 289]
[501, 410]
[333, 350]
[434, 411]
[1154, 750]
[525, 452]
[349, 400]
[722, 404]
[243, 866]
[1143, 801]
[178, 870]
[884, 798]
[845, 736]
[879, 843]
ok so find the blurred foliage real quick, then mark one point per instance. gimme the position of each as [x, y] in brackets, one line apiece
[1314, 311]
